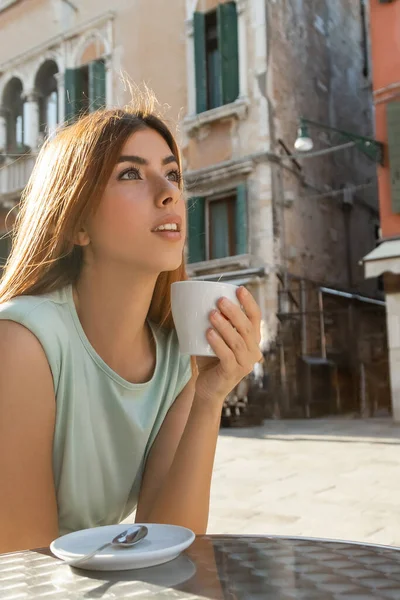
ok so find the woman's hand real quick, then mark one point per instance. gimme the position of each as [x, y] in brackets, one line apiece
[235, 338]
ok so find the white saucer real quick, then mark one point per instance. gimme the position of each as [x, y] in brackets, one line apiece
[162, 544]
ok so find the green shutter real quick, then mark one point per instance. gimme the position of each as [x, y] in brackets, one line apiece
[393, 130]
[97, 85]
[5, 247]
[199, 27]
[241, 219]
[229, 49]
[73, 93]
[196, 229]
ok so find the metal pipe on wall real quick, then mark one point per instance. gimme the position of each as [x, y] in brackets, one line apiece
[303, 303]
[322, 323]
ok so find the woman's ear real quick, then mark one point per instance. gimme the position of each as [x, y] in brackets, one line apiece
[82, 238]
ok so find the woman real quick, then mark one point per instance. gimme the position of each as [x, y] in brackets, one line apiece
[99, 412]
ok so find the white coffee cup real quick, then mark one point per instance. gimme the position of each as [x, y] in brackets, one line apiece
[192, 303]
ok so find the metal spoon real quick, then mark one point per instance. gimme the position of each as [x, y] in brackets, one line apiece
[126, 539]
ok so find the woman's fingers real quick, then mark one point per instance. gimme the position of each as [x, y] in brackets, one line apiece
[223, 352]
[237, 319]
[252, 310]
[249, 328]
[233, 339]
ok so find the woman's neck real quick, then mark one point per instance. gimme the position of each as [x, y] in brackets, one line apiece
[113, 310]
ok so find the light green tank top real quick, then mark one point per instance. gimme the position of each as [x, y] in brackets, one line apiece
[105, 426]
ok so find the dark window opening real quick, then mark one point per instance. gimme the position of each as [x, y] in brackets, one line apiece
[213, 61]
[13, 106]
[222, 227]
[5, 247]
[84, 100]
[46, 88]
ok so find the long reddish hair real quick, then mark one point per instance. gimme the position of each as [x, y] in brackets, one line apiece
[65, 187]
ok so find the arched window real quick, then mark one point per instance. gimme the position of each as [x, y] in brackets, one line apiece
[85, 86]
[13, 104]
[47, 91]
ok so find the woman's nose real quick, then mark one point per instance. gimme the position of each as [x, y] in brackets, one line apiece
[168, 193]
[168, 200]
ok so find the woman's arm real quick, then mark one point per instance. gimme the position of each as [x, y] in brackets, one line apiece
[177, 480]
[163, 451]
[28, 509]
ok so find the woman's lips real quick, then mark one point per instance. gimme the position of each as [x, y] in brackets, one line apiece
[172, 236]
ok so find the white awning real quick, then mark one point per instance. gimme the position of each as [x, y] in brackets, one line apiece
[385, 258]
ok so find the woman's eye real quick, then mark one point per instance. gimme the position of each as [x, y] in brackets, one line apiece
[130, 174]
[174, 176]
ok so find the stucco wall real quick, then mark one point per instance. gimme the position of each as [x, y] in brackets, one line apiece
[146, 49]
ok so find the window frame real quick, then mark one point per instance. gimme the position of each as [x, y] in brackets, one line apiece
[220, 181]
[230, 84]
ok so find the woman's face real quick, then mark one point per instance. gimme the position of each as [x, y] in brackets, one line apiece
[141, 219]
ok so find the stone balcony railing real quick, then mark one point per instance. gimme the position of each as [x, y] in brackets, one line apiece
[14, 175]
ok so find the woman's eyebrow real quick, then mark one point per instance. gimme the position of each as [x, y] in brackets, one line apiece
[169, 159]
[142, 161]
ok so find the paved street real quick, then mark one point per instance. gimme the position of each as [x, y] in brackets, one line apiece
[335, 478]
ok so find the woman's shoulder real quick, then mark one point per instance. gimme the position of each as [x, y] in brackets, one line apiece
[46, 318]
[42, 310]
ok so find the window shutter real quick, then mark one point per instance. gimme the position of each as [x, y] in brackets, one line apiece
[229, 49]
[393, 129]
[199, 27]
[196, 229]
[241, 219]
[97, 85]
[5, 247]
[73, 94]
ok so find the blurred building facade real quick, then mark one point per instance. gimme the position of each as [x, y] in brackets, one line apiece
[238, 76]
[59, 57]
[293, 229]
[385, 259]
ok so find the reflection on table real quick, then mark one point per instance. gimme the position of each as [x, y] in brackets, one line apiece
[219, 568]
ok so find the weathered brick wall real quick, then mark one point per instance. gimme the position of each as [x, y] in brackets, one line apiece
[316, 70]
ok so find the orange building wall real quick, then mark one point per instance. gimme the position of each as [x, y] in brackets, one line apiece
[385, 48]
